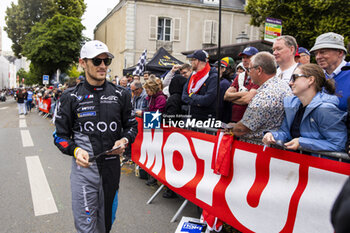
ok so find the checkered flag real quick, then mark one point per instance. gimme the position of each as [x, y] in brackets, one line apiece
[141, 64]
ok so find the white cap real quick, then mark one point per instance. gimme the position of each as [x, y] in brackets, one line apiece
[94, 48]
[329, 40]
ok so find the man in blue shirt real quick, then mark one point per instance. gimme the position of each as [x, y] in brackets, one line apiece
[330, 54]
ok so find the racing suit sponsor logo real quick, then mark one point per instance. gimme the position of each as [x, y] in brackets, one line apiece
[86, 114]
[87, 102]
[119, 92]
[78, 97]
[89, 96]
[100, 126]
[87, 211]
[110, 98]
[87, 108]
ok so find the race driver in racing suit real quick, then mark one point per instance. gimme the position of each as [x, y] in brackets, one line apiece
[93, 117]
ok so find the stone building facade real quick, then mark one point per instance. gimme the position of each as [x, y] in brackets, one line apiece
[177, 25]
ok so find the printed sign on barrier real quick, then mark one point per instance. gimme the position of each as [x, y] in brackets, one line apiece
[191, 225]
[265, 191]
[45, 105]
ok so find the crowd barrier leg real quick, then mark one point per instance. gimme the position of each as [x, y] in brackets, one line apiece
[155, 194]
[178, 212]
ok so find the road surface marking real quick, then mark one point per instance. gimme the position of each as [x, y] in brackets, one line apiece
[26, 138]
[3, 108]
[21, 116]
[43, 201]
[22, 123]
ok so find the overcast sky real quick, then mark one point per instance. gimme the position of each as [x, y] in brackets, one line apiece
[96, 10]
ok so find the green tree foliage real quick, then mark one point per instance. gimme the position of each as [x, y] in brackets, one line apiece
[73, 71]
[72, 8]
[54, 44]
[22, 17]
[35, 75]
[304, 19]
[22, 74]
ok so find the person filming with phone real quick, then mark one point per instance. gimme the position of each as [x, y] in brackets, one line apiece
[94, 123]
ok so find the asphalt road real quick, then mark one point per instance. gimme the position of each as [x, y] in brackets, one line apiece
[16, 194]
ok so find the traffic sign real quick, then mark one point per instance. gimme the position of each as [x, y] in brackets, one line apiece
[45, 79]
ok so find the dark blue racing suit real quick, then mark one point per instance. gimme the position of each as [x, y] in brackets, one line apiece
[93, 118]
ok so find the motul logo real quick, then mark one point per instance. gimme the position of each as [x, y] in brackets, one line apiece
[266, 191]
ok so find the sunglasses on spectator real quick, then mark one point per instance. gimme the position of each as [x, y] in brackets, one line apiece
[98, 61]
[135, 90]
[295, 76]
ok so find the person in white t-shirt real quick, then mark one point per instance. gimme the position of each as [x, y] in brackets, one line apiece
[284, 49]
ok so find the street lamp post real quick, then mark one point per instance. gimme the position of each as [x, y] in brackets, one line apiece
[219, 66]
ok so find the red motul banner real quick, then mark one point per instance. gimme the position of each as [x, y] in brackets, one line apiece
[45, 105]
[265, 191]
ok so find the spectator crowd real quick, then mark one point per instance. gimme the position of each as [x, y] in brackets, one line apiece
[267, 98]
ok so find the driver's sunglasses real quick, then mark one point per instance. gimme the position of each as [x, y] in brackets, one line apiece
[98, 61]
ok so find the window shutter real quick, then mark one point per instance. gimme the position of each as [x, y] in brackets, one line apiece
[214, 33]
[207, 32]
[153, 27]
[176, 29]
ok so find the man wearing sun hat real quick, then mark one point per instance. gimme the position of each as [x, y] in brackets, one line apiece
[92, 118]
[330, 53]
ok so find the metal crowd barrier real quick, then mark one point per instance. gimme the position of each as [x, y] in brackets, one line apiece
[340, 156]
[279, 145]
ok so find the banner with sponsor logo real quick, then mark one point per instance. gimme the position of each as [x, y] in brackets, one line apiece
[265, 191]
[44, 105]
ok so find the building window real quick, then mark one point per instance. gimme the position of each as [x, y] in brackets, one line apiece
[164, 29]
[210, 33]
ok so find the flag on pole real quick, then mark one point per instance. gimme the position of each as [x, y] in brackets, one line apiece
[141, 64]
